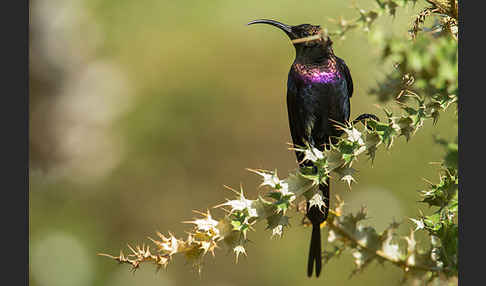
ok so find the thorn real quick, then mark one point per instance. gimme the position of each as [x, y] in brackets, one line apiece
[201, 213]
[427, 181]
[130, 247]
[108, 255]
[231, 189]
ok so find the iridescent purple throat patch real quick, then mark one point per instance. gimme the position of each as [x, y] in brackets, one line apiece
[327, 74]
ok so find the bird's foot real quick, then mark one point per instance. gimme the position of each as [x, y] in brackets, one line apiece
[363, 117]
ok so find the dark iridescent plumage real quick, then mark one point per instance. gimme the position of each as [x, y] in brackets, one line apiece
[319, 87]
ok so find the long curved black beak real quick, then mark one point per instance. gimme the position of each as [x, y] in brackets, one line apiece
[286, 28]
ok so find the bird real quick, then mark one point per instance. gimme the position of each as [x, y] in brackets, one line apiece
[319, 88]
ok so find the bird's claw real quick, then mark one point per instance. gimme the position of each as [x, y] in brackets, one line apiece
[363, 117]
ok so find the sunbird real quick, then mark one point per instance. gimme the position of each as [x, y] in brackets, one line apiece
[319, 88]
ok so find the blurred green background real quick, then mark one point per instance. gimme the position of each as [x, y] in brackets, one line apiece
[140, 111]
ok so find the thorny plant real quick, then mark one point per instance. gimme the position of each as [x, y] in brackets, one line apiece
[417, 72]
[446, 12]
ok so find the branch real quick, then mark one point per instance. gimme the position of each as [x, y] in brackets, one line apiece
[402, 263]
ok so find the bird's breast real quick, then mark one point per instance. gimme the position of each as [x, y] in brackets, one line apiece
[326, 74]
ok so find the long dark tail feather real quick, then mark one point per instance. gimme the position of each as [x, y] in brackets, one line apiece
[317, 217]
[315, 251]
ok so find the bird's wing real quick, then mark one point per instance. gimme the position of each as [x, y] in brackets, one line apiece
[296, 122]
[347, 75]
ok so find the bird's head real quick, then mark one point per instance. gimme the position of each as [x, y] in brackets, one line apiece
[303, 37]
